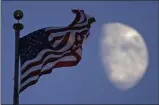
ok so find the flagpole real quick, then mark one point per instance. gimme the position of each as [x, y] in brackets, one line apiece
[18, 14]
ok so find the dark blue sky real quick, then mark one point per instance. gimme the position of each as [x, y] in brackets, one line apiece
[87, 82]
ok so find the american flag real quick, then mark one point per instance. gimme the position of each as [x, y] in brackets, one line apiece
[49, 48]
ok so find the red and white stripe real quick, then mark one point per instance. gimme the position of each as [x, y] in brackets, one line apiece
[66, 53]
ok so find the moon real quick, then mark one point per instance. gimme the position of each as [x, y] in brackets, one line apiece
[124, 55]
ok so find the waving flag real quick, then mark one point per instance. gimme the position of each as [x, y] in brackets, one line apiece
[45, 49]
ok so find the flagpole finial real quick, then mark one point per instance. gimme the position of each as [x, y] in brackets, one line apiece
[18, 15]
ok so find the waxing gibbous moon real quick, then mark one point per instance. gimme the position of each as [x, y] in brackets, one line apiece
[124, 55]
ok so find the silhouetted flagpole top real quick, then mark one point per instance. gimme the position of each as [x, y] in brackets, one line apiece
[18, 15]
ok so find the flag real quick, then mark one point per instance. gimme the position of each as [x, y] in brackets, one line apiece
[52, 47]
